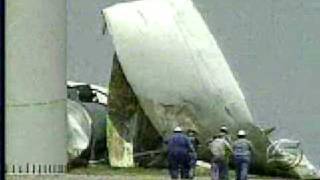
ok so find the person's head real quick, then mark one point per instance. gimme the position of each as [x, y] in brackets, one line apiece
[177, 129]
[220, 135]
[241, 134]
[191, 132]
[224, 129]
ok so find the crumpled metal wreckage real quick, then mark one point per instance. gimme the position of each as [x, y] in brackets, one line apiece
[86, 123]
[168, 70]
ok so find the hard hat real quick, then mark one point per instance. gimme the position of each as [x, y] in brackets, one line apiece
[177, 129]
[242, 133]
[224, 129]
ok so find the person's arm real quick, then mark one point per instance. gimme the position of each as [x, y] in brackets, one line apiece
[166, 141]
[252, 149]
[197, 141]
[190, 146]
[229, 147]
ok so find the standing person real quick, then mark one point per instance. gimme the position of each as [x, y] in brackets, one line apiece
[179, 147]
[243, 151]
[219, 165]
[193, 155]
[225, 131]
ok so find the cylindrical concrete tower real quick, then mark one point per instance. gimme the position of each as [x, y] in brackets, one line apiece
[36, 86]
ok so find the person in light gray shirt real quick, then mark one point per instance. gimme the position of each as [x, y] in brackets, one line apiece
[220, 149]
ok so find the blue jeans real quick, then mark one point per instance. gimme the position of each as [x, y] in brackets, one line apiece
[193, 162]
[179, 163]
[242, 167]
[219, 169]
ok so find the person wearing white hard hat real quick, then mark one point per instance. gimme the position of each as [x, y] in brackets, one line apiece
[242, 151]
[241, 133]
[224, 129]
[179, 147]
[177, 129]
[220, 149]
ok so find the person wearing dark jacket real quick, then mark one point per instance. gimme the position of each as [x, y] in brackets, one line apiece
[193, 155]
[179, 147]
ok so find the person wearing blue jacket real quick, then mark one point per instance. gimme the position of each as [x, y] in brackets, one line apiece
[243, 151]
[179, 149]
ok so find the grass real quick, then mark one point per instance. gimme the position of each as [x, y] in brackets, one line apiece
[102, 169]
